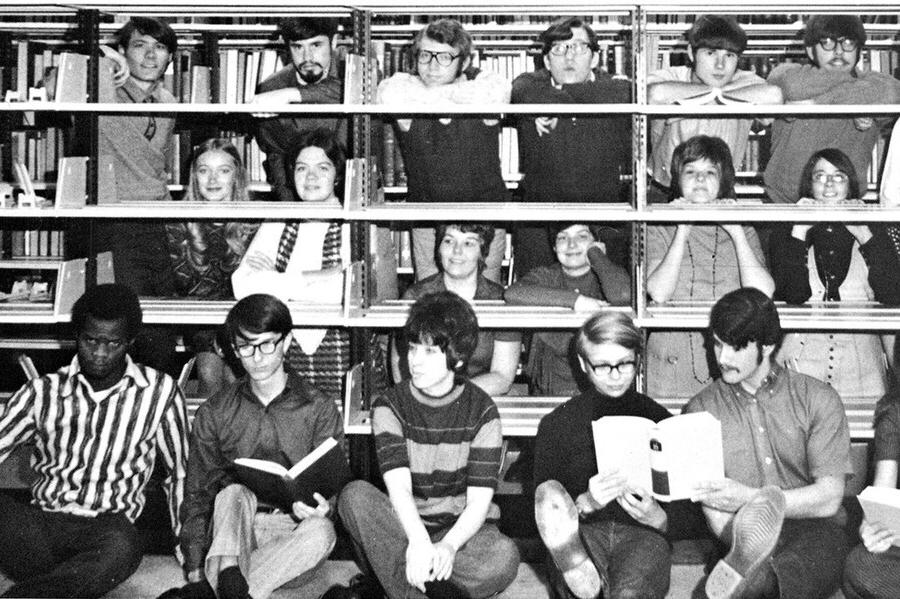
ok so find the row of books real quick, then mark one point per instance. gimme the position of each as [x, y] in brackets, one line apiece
[38, 150]
[33, 244]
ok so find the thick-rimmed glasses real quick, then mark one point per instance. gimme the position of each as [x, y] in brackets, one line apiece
[830, 43]
[563, 48]
[266, 348]
[823, 177]
[443, 58]
[625, 368]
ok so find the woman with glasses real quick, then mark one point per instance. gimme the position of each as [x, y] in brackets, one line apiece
[454, 158]
[601, 533]
[461, 251]
[302, 261]
[205, 253]
[834, 262]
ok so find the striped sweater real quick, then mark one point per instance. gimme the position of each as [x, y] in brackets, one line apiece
[448, 443]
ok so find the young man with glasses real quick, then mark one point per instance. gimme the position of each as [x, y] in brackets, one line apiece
[228, 543]
[455, 158]
[715, 46]
[834, 45]
[569, 158]
[98, 426]
[604, 537]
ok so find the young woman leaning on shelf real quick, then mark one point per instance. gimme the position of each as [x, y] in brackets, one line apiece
[835, 262]
[302, 261]
[205, 253]
[697, 262]
[460, 255]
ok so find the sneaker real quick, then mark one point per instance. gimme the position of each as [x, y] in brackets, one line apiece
[360, 587]
[754, 533]
[557, 522]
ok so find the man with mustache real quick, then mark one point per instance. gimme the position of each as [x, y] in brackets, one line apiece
[787, 454]
[834, 44]
[307, 80]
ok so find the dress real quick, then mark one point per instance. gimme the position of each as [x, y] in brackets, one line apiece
[552, 368]
[834, 267]
[219, 516]
[789, 433]
[449, 444]
[321, 356]
[795, 139]
[678, 364]
[480, 362]
[564, 451]
[666, 134]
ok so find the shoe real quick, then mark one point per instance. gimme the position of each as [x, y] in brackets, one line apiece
[360, 587]
[754, 533]
[557, 522]
[232, 584]
[192, 590]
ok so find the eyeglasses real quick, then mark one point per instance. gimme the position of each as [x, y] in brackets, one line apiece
[443, 58]
[266, 348]
[96, 342]
[847, 44]
[823, 177]
[625, 368]
[577, 48]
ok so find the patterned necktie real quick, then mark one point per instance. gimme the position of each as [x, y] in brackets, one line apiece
[286, 245]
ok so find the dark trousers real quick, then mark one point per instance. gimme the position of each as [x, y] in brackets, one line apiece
[50, 554]
[633, 561]
[870, 575]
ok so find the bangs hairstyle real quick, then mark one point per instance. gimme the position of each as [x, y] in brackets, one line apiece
[834, 26]
[324, 138]
[703, 147]
[717, 32]
[303, 28]
[111, 301]
[561, 30]
[745, 315]
[448, 321]
[158, 30]
[444, 31]
[609, 327]
[239, 181]
[256, 314]
[484, 231]
[840, 161]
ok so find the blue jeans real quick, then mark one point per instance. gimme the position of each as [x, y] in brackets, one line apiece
[51, 554]
[484, 566]
[870, 575]
[633, 561]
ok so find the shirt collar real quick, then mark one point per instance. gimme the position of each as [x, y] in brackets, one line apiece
[132, 92]
[75, 376]
[767, 384]
[293, 391]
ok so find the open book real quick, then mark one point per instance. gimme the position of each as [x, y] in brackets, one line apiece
[667, 458]
[324, 470]
[881, 506]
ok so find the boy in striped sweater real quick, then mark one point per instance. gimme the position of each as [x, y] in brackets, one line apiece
[438, 441]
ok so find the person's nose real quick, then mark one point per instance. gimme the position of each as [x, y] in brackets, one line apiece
[720, 61]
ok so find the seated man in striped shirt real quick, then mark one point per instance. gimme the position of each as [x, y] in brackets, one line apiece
[97, 425]
[438, 442]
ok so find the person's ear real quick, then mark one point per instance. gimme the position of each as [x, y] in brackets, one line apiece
[811, 53]
[288, 337]
[465, 64]
[767, 351]
[690, 53]
[584, 367]
[595, 59]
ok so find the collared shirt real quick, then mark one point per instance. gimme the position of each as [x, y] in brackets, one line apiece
[94, 451]
[789, 433]
[235, 424]
[139, 146]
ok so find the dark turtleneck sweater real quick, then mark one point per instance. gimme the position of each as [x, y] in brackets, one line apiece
[564, 451]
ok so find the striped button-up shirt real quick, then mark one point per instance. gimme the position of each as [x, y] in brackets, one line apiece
[95, 450]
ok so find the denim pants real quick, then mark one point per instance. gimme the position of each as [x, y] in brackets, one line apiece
[271, 549]
[485, 565]
[870, 575]
[52, 554]
[807, 563]
[633, 561]
[423, 249]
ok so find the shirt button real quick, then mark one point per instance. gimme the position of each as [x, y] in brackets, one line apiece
[672, 359]
[762, 430]
[768, 461]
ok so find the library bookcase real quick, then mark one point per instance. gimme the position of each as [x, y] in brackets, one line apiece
[225, 51]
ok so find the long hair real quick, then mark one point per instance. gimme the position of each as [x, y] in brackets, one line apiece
[703, 147]
[239, 181]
